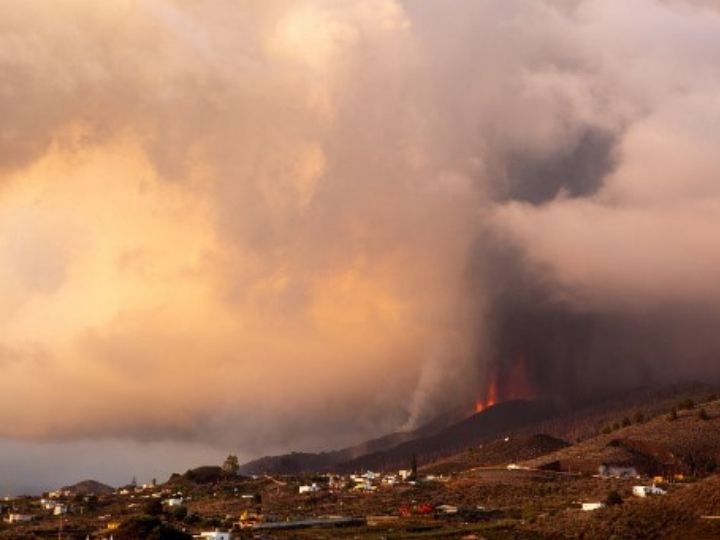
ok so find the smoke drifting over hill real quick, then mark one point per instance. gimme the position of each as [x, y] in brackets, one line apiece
[290, 224]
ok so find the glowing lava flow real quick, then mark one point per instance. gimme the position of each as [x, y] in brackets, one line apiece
[513, 382]
[490, 397]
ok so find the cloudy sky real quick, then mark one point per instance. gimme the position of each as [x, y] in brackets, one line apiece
[268, 225]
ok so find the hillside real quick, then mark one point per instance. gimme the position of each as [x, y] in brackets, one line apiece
[479, 428]
[687, 444]
[460, 430]
[89, 487]
[307, 462]
[500, 452]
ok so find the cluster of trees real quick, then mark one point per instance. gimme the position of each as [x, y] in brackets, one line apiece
[150, 528]
[638, 418]
[688, 405]
[231, 465]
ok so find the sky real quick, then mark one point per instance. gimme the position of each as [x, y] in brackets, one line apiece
[274, 225]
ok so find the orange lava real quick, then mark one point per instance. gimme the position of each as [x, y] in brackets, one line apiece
[512, 383]
[490, 398]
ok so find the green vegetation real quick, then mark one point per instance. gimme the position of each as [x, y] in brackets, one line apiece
[150, 528]
[231, 465]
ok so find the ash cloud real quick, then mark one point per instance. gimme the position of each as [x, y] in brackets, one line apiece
[288, 225]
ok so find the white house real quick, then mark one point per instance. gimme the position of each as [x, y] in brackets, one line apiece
[644, 491]
[447, 509]
[616, 471]
[590, 506]
[365, 485]
[404, 473]
[19, 518]
[214, 535]
[175, 501]
[312, 488]
[390, 480]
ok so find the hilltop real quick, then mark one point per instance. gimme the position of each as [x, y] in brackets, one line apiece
[88, 487]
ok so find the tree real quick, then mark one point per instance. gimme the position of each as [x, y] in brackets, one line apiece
[154, 507]
[626, 422]
[639, 417]
[613, 498]
[606, 430]
[150, 528]
[413, 468]
[180, 513]
[672, 416]
[702, 414]
[231, 465]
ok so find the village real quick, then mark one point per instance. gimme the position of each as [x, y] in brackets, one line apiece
[215, 503]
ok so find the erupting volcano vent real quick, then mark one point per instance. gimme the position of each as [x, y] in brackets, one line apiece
[506, 383]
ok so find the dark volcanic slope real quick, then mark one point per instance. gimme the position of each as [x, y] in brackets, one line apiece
[499, 452]
[479, 428]
[306, 462]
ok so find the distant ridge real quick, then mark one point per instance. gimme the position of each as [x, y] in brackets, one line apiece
[445, 435]
[89, 487]
[305, 462]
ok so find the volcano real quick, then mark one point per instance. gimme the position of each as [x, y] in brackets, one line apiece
[444, 435]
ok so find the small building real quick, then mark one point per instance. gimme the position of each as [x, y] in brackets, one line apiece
[214, 535]
[312, 488]
[617, 471]
[644, 491]
[173, 502]
[390, 480]
[365, 485]
[590, 506]
[447, 509]
[404, 473]
[19, 518]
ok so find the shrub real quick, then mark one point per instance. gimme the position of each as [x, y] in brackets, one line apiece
[639, 417]
[702, 414]
[672, 415]
[150, 528]
[613, 498]
[686, 404]
[180, 513]
[626, 422]
[154, 507]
